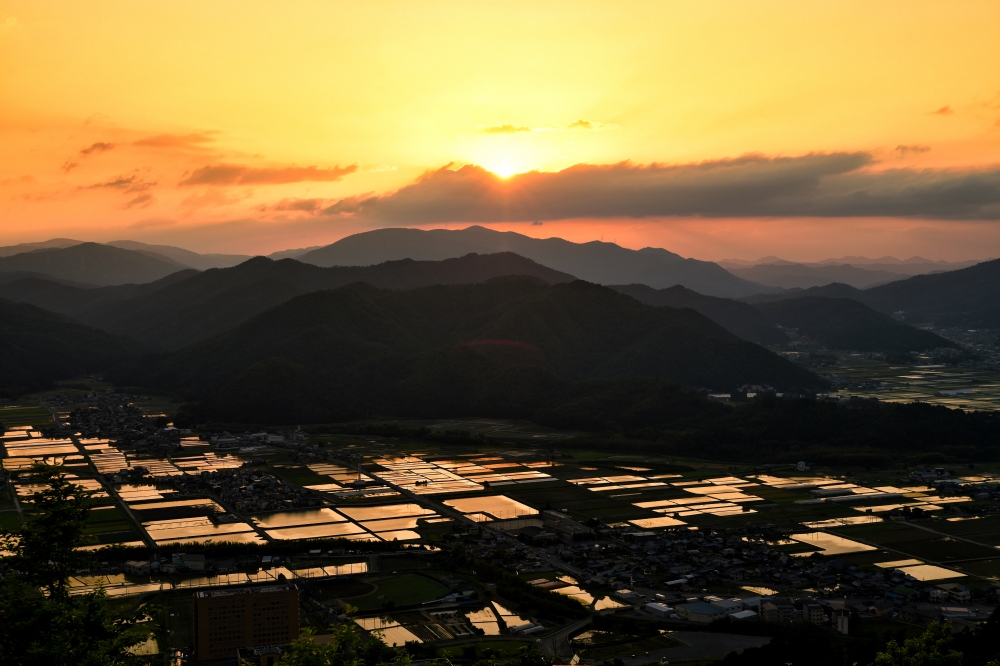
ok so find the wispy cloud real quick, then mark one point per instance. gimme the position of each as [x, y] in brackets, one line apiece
[99, 147]
[943, 111]
[128, 184]
[238, 174]
[814, 185]
[511, 128]
[141, 201]
[506, 128]
[190, 141]
[904, 150]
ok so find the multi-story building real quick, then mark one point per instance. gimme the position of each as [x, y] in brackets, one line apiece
[227, 620]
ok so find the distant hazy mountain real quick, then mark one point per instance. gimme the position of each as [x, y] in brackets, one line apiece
[599, 262]
[790, 276]
[505, 347]
[93, 263]
[843, 323]
[834, 290]
[43, 245]
[210, 302]
[37, 347]
[70, 298]
[201, 262]
[292, 254]
[738, 318]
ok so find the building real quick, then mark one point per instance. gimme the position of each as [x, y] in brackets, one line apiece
[699, 611]
[660, 610]
[813, 613]
[228, 620]
[778, 609]
[137, 567]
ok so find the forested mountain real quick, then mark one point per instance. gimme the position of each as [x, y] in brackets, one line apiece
[509, 346]
[201, 262]
[93, 263]
[843, 323]
[37, 347]
[599, 262]
[738, 318]
[208, 303]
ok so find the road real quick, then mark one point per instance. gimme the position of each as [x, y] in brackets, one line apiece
[557, 644]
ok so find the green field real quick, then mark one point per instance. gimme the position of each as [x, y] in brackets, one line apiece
[9, 520]
[916, 542]
[22, 415]
[402, 590]
[476, 651]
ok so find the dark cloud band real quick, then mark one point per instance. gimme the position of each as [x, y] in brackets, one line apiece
[815, 185]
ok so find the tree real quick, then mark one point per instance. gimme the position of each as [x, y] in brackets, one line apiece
[346, 647]
[45, 547]
[931, 648]
[39, 629]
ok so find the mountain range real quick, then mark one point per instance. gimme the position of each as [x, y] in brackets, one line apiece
[597, 262]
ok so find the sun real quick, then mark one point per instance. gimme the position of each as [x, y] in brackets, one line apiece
[504, 169]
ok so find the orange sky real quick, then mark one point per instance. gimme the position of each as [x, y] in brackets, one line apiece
[253, 126]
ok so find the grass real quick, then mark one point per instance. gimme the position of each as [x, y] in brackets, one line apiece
[9, 520]
[21, 415]
[402, 590]
[500, 648]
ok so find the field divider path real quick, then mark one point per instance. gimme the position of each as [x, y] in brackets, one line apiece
[260, 532]
[136, 523]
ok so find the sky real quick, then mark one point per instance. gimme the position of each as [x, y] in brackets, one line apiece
[716, 129]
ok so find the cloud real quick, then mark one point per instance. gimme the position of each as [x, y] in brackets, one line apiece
[9, 24]
[99, 147]
[506, 128]
[190, 141]
[814, 185]
[510, 128]
[237, 174]
[590, 125]
[904, 150]
[943, 111]
[140, 201]
[301, 205]
[69, 166]
[128, 184]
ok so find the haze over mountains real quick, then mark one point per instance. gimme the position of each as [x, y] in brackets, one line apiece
[860, 272]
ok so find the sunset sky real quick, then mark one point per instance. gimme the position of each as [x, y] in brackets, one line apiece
[715, 129]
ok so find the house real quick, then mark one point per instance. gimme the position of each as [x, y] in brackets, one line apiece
[956, 592]
[626, 594]
[699, 611]
[882, 607]
[137, 567]
[744, 615]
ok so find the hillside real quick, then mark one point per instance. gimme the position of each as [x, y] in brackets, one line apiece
[924, 298]
[507, 347]
[93, 263]
[201, 262]
[843, 323]
[210, 302]
[738, 318]
[599, 262]
[37, 347]
[70, 298]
